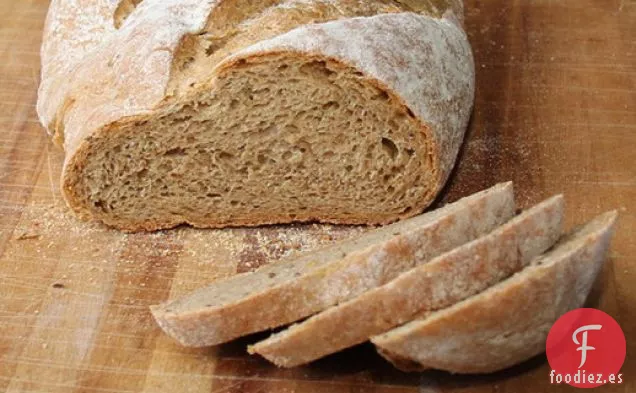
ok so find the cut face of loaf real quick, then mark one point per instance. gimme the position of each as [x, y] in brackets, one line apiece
[281, 139]
[356, 120]
[443, 281]
[293, 289]
[509, 322]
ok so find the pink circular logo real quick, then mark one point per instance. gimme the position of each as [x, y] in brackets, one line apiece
[586, 348]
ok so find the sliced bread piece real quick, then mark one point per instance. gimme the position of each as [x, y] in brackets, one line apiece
[290, 290]
[509, 322]
[445, 280]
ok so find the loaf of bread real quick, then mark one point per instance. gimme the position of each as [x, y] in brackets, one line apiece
[245, 112]
[289, 290]
[442, 282]
[509, 322]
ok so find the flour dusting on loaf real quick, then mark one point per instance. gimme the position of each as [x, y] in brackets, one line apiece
[215, 114]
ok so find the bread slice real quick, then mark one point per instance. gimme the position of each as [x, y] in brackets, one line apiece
[509, 322]
[445, 280]
[226, 113]
[290, 290]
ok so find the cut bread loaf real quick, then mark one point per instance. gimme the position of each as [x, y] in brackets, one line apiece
[443, 281]
[287, 291]
[509, 322]
[237, 112]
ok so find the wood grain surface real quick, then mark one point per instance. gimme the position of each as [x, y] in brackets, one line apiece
[555, 112]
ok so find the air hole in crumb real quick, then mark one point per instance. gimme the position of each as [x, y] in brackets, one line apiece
[225, 156]
[58, 285]
[234, 203]
[265, 90]
[349, 168]
[383, 95]
[287, 155]
[407, 210]
[410, 152]
[317, 68]
[271, 275]
[330, 105]
[410, 112]
[211, 195]
[177, 151]
[283, 67]
[389, 147]
[186, 62]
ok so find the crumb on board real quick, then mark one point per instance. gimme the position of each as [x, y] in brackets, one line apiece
[93, 257]
[27, 236]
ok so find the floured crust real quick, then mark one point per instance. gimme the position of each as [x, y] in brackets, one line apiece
[509, 322]
[125, 75]
[434, 284]
[124, 72]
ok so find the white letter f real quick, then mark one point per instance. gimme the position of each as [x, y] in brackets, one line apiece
[584, 347]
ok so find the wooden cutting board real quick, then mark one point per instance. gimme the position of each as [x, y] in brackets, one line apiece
[555, 112]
